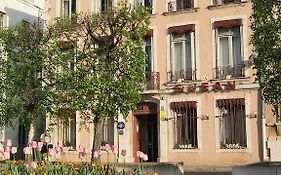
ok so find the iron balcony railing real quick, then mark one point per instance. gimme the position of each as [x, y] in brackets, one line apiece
[181, 75]
[152, 81]
[230, 71]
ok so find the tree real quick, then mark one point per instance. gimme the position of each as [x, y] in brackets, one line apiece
[91, 63]
[21, 64]
[266, 24]
[97, 64]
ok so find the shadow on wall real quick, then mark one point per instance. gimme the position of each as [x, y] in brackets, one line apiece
[15, 16]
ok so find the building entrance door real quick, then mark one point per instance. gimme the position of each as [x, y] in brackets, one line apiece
[146, 135]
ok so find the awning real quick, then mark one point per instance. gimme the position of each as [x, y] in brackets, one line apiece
[183, 104]
[228, 23]
[230, 102]
[182, 29]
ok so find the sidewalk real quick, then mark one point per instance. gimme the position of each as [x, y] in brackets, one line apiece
[207, 170]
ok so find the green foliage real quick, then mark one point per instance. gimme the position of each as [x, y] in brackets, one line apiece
[58, 168]
[21, 93]
[92, 63]
[98, 63]
[266, 24]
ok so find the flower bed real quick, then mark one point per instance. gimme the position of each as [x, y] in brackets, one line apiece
[37, 163]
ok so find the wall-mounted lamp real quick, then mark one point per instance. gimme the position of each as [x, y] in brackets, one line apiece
[252, 115]
[204, 117]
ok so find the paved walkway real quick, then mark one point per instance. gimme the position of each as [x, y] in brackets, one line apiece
[207, 171]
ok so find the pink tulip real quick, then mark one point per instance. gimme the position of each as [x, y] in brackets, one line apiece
[124, 152]
[47, 139]
[107, 148]
[9, 142]
[27, 150]
[51, 151]
[33, 165]
[81, 155]
[14, 150]
[7, 149]
[99, 152]
[58, 149]
[6, 155]
[138, 153]
[39, 146]
[34, 144]
[145, 157]
[96, 154]
[87, 150]
[64, 150]
[114, 149]
[57, 155]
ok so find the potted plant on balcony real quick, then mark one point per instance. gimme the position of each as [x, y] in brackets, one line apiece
[179, 88]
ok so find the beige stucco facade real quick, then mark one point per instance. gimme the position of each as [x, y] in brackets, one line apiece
[207, 149]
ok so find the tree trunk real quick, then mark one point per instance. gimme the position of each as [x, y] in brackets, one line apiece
[98, 137]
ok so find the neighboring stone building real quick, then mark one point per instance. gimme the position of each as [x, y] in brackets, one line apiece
[201, 102]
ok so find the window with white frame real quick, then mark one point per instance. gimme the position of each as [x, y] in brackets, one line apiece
[177, 5]
[148, 50]
[146, 3]
[68, 7]
[229, 62]
[232, 123]
[222, 2]
[184, 115]
[182, 57]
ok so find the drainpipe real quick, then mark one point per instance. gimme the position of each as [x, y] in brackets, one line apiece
[265, 158]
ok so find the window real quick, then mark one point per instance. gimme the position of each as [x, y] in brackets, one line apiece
[182, 62]
[148, 51]
[146, 3]
[229, 61]
[184, 4]
[106, 5]
[69, 131]
[221, 2]
[232, 123]
[185, 124]
[68, 7]
[176, 5]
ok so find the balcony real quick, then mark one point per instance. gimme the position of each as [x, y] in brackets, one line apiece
[152, 81]
[182, 75]
[229, 72]
[222, 2]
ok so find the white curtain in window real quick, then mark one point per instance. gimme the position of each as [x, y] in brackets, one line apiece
[224, 51]
[178, 56]
[237, 58]
[188, 55]
[65, 6]
[148, 53]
